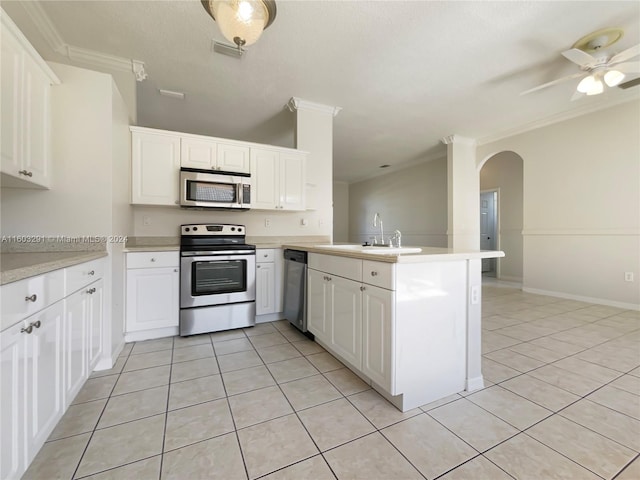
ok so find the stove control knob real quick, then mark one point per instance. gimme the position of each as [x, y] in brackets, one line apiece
[233, 229]
[186, 229]
[195, 229]
[240, 229]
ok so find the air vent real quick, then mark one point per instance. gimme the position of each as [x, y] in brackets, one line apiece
[631, 83]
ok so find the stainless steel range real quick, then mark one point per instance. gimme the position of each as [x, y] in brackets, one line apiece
[217, 279]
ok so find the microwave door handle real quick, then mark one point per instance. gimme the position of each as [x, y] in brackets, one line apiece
[240, 195]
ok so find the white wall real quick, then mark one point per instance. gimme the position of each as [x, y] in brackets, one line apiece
[504, 172]
[412, 200]
[340, 212]
[581, 205]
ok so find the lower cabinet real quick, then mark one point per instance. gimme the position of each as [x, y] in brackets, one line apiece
[269, 281]
[353, 319]
[45, 360]
[153, 291]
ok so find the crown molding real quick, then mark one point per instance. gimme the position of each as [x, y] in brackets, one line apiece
[296, 103]
[550, 120]
[451, 139]
[82, 55]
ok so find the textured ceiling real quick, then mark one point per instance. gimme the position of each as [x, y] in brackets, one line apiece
[406, 73]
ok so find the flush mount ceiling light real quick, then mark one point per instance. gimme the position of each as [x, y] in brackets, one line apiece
[241, 21]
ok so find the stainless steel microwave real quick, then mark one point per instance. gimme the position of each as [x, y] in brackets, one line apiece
[200, 188]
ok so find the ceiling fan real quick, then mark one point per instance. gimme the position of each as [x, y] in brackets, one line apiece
[597, 68]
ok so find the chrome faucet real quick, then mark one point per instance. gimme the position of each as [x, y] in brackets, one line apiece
[377, 218]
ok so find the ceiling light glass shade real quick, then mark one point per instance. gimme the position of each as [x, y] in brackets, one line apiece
[241, 21]
[613, 78]
[590, 85]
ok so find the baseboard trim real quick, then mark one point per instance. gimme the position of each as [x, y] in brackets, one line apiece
[150, 334]
[581, 298]
[475, 383]
[269, 317]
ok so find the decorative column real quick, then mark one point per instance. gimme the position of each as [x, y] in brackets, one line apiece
[463, 193]
[314, 134]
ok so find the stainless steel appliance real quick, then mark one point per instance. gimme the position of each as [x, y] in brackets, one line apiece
[201, 188]
[295, 288]
[217, 279]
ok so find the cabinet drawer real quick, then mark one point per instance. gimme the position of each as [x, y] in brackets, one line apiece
[41, 291]
[379, 274]
[265, 255]
[83, 274]
[153, 259]
[341, 266]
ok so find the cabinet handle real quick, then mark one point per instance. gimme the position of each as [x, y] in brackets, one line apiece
[36, 324]
[175, 270]
[265, 255]
[257, 266]
[25, 173]
[153, 259]
[91, 272]
[91, 291]
[31, 298]
[362, 288]
[27, 330]
[374, 273]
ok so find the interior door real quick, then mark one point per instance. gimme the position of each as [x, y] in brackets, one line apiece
[488, 231]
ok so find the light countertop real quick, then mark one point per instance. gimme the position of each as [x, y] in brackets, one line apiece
[17, 266]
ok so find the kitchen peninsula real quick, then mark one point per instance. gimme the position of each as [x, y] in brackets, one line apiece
[407, 320]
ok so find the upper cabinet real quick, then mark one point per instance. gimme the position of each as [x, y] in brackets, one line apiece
[26, 111]
[278, 175]
[155, 168]
[214, 155]
[278, 179]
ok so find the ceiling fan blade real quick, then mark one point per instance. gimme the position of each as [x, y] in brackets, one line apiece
[628, 67]
[577, 96]
[553, 82]
[625, 55]
[579, 57]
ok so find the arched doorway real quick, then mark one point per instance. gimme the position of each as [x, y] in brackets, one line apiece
[501, 182]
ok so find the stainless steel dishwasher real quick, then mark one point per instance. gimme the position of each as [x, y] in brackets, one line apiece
[295, 288]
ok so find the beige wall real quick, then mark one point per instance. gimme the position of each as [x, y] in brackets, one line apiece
[581, 205]
[340, 212]
[504, 173]
[412, 200]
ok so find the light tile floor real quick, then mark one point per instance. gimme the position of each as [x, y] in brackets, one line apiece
[562, 400]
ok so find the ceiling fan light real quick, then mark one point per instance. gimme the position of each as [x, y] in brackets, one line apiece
[586, 84]
[597, 88]
[613, 78]
[241, 21]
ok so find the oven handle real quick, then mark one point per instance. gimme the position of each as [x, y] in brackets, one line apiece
[210, 253]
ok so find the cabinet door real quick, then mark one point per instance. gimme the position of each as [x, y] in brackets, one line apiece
[10, 104]
[12, 398]
[44, 384]
[346, 319]
[152, 298]
[75, 344]
[36, 139]
[318, 301]
[155, 173]
[195, 153]
[378, 336]
[265, 288]
[292, 181]
[95, 311]
[233, 158]
[265, 179]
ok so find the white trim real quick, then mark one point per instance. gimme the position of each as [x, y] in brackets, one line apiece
[581, 298]
[512, 281]
[296, 103]
[28, 48]
[582, 231]
[107, 362]
[269, 317]
[45, 26]
[546, 121]
[150, 334]
[452, 139]
[473, 384]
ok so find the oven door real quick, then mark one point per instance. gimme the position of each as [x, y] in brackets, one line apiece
[217, 279]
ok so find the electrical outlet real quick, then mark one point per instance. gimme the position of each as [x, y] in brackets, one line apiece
[146, 220]
[628, 276]
[267, 222]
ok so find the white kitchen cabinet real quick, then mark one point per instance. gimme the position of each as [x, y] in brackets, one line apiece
[318, 295]
[205, 154]
[26, 111]
[153, 289]
[155, 168]
[278, 179]
[95, 323]
[345, 318]
[269, 278]
[378, 343]
[75, 344]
